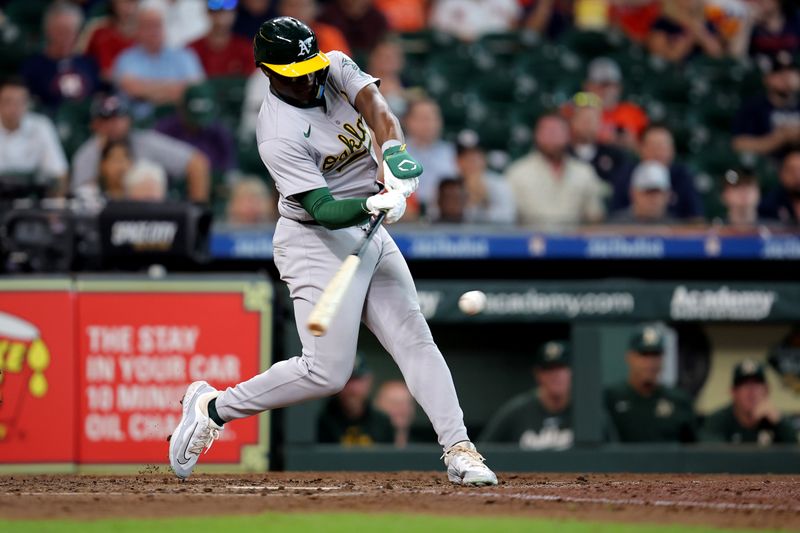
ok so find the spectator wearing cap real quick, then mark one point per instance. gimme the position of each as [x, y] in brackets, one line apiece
[250, 14]
[29, 145]
[776, 27]
[328, 37]
[650, 194]
[250, 203]
[468, 21]
[658, 145]
[361, 23]
[349, 418]
[552, 187]
[57, 73]
[540, 418]
[740, 196]
[145, 182]
[769, 124]
[750, 417]
[104, 38]
[622, 122]
[683, 31]
[151, 72]
[641, 409]
[610, 163]
[422, 125]
[222, 52]
[489, 199]
[112, 122]
[783, 202]
[197, 123]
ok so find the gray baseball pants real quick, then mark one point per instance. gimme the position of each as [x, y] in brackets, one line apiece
[383, 295]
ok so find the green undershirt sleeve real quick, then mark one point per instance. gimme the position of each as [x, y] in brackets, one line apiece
[332, 213]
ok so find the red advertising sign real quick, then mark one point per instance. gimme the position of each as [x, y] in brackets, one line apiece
[38, 408]
[137, 353]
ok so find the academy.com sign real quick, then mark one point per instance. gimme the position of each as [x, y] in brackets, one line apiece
[721, 304]
[567, 304]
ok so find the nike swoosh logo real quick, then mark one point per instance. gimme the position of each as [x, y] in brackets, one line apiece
[307, 134]
[186, 448]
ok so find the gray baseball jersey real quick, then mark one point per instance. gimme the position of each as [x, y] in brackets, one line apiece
[330, 146]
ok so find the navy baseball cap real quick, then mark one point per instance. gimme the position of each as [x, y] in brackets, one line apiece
[748, 371]
[648, 341]
[222, 5]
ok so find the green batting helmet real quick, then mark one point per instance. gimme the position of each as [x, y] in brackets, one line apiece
[288, 47]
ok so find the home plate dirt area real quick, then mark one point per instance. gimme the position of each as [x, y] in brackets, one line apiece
[726, 501]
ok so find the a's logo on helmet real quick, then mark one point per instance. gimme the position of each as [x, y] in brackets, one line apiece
[305, 45]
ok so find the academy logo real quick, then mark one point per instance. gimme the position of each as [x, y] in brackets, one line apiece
[305, 45]
[721, 304]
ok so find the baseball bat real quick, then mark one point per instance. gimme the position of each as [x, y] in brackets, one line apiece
[328, 304]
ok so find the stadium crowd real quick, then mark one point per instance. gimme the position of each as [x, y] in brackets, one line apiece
[532, 112]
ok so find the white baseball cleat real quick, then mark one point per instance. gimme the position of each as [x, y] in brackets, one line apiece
[465, 466]
[195, 432]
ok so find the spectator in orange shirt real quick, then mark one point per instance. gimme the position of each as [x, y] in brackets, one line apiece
[328, 37]
[105, 38]
[222, 52]
[623, 122]
[635, 18]
[404, 15]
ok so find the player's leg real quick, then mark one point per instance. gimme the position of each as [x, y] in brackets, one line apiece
[392, 313]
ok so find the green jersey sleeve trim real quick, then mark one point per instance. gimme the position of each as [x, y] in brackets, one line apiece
[332, 213]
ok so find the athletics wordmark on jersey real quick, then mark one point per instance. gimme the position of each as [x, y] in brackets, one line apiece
[356, 146]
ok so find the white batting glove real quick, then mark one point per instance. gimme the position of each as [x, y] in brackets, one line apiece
[392, 202]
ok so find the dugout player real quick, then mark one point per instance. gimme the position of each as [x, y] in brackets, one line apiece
[750, 417]
[314, 137]
[641, 409]
[541, 418]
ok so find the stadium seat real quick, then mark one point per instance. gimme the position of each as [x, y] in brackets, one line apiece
[591, 44]
[229, 94]
[72, 124]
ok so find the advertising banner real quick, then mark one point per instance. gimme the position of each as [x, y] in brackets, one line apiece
[38, 402]
[141, 343]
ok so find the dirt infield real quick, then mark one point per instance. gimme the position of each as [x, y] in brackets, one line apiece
[728, 501]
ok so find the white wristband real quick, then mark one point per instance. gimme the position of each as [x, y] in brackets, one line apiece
[388, 144]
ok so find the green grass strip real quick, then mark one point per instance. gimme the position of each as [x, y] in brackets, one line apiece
[342, 523]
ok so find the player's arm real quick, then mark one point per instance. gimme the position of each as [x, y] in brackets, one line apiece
[337, 214]
[400, 170]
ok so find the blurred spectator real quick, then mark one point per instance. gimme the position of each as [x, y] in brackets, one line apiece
[469, 21]
[640, 408]
[611, 163]
[349, 419]
[250, 14]
[551, 186]
[683, 31]
[776, 28]
[106, 37]
[116, 160]
[750, 417]
[548, 17]
[197, 123]
[740, 196]
[451, 201]
[222, 52]
[57, 73]
[394, 399]
[489, 199]
[732, 21]
[623, 122]
[404, 15]
[650, 194]
[658, 145]
[151, 71]
[185, 20]
[422, 126]
[111, 122]
[783, 202]
[362, 24]
[769, 124]
[636, 17]
[146, 182]
[541, 418]
[29, 144]
[250, 203]
[386, 62]
[328, 37]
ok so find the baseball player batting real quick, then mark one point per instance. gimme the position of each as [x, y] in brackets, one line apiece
[314, 138]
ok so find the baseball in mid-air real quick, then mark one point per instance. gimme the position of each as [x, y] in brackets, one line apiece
[472, 302]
